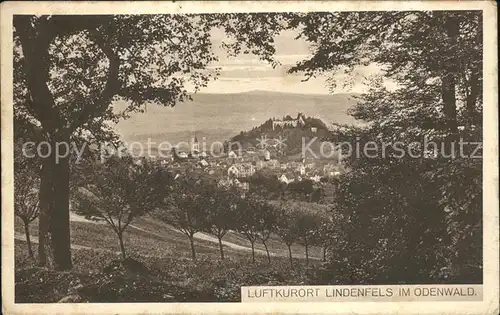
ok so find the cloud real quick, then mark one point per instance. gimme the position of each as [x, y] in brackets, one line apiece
[247, 72]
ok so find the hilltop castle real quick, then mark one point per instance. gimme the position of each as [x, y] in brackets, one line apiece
[289, 121]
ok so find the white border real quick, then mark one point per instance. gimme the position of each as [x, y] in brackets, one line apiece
[490, 167]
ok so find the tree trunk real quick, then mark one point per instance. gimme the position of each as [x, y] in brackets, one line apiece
[59, 220]
[191, 242]
[475, 83]
[267, 252]
[290, 254]
[45, 197]
[448, 81]
[253, 251]
[475, 88]
[221, 248]
[324, 254]
[449, 100]
[307, 254]
[28, 240]
[122, 247]
[35, 48]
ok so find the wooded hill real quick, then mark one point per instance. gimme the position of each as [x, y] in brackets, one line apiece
[292, 138]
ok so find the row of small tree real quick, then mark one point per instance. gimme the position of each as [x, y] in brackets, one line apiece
[119, 190]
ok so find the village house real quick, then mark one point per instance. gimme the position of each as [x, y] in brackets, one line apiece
[242, 185]
[233, 171]
[295, 166]
[178, 154]
[248, 159]
[251, 151]
[301, 169]
[241, 170]
[164, 162]
[272, 164]
[315, 178]
[224, 183]
[331, 170]
[284, 179]
[266, 155]
[203, 163]
[289, 177]
[230, 182]
[138, 161]
[232, 155]
[310, 166]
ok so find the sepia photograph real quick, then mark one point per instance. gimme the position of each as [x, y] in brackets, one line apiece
[250, 155]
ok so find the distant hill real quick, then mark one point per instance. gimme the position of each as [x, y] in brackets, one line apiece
[221, 116]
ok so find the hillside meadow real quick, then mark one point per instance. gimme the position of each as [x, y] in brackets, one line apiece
[160, 268]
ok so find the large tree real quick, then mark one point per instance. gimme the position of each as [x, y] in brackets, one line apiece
[69, 69]
[438, 52]
[407, 215]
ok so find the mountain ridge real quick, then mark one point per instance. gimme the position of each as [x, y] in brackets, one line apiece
[267, 92]
[223, 116]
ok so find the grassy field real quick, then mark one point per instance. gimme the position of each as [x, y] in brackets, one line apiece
[172, 276]
[169, 279]
[150, 237]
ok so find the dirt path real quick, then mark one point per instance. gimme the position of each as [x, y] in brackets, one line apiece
[209, 238]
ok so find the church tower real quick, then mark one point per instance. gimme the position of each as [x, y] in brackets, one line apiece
[195, 145]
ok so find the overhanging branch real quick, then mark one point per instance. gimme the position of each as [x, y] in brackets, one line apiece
[100, 105]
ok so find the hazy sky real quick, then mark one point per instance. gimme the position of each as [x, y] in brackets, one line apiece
[246, 72]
